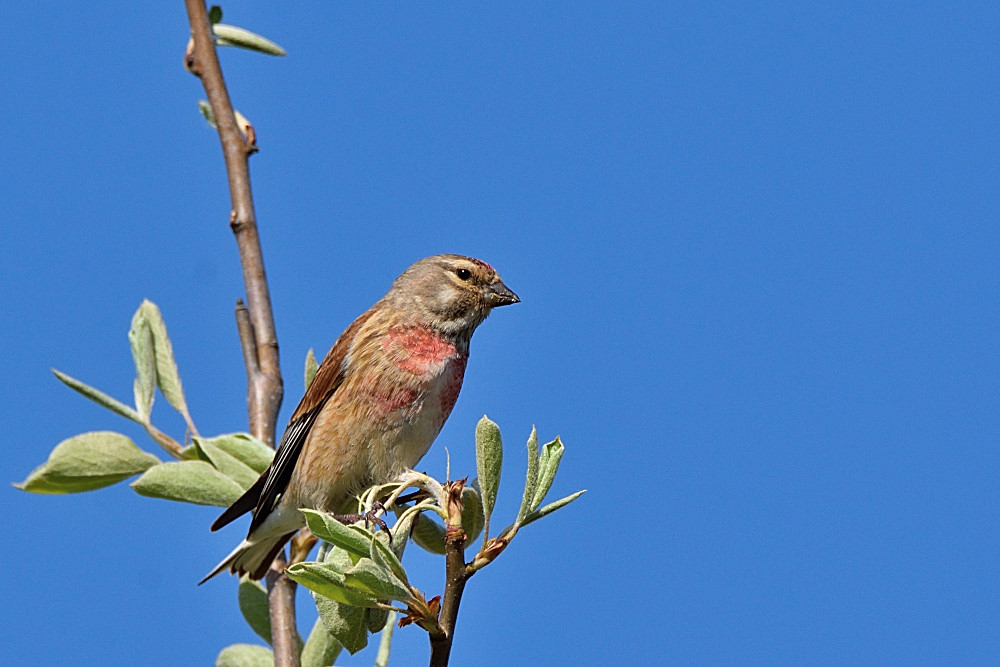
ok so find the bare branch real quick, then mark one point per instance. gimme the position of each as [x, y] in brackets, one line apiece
[258, 340]
[281, 602]
[265, 385]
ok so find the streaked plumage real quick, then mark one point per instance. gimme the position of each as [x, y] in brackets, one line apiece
[379, 398]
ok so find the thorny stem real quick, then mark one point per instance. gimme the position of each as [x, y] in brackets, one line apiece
[259, 340]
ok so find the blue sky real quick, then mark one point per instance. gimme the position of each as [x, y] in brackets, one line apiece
[756, 245]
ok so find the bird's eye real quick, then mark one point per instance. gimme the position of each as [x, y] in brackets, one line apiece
[463, 274]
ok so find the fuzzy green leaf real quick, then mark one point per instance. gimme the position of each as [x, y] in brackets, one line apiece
[551, 507]
[226, 463]
[489, 460]
[386, 558]
[531, 480]
[245, 448]
[192, 453]
[167, 377]
[548, 465]
[311, 367]
[324, 579]
[325, 527]
[321, 649]
[86, 462]
[100, 397]
[230, 35]
[369, 578]
[190, 482]
[400, 536]
[348, 624]
[345, 623]
[375, 619]
[428, 534]
[206, 110]
[472, 513]
[253, 605]
[140, 339]
[245, 655]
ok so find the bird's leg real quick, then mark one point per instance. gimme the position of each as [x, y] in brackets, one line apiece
[369, 517]
[372, 516]
[428, 488]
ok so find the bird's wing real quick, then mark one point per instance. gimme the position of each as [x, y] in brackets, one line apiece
[261, 497]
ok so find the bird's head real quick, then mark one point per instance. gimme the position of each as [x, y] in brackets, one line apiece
[451, 293]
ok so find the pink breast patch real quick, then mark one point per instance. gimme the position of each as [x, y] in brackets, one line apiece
[453, 385]
[422, 348]
[385, 400]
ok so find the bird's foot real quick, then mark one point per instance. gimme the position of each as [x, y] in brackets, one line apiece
[369, 517]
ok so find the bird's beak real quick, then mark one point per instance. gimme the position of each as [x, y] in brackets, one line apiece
[499, 294]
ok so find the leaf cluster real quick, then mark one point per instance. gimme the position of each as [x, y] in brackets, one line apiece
[360, 574]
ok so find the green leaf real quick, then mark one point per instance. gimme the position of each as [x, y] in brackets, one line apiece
[531, 481]
[192, 453]
[428, 534]
[140, 339]
[226, 463]
[376, 581]
[386, 558]
[489, 460]
[245, 448]
[349, 625]
[547, 466]
[323, 578]
[88, 461]
[472, 513]
[345, 623]
[311, 367]
[206, 110]
[253, 605]
[245, 655]
[167, 377]
[190, 482]
[551, 507]
[100, 397]
[321, 649]
[214, 14]
[384, 646]
[375, 619]
[325, 527]
[230, 35]
[400, 536]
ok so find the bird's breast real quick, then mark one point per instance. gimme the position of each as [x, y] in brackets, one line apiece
[423, 375]
[418, 350]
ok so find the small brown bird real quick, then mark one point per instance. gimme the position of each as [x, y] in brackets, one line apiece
[380, 397]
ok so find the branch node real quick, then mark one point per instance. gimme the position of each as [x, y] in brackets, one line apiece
[190, 62]
[248, 341]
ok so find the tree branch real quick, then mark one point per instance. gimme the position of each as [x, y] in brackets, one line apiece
[259, 340]
[456, 576]
[281, 604]
[266, 385]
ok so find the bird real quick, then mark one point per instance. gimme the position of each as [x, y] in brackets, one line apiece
[377, 402]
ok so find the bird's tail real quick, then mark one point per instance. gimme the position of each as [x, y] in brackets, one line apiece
[252, 556]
